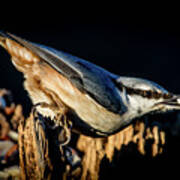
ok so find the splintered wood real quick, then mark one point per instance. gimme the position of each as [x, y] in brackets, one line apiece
[97, 149]
[33, 150]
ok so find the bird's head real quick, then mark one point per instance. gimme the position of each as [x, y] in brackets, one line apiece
[142, 97]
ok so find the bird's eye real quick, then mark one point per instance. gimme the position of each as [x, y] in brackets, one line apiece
[148, 94]
[156, 95]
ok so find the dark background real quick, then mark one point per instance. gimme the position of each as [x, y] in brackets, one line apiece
[147, 48]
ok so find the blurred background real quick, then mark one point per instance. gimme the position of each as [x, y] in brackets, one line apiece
[147, 48]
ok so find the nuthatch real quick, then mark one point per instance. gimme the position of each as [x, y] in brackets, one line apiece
[97, 102]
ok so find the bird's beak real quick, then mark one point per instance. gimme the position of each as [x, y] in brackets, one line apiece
[172, 103]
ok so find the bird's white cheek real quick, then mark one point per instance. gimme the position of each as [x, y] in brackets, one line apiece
[135, 102]
[138, 103]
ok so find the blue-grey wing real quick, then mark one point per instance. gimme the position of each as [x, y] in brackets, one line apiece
[87, 77]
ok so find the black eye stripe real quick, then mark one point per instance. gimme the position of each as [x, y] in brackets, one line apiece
[144, 93]
[148, 93]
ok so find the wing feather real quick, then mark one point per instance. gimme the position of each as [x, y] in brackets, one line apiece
[87, 77]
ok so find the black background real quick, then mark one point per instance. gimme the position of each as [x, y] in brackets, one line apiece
[147, 48]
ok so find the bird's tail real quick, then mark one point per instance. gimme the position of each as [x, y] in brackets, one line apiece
[2, 39]
[22, 57]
